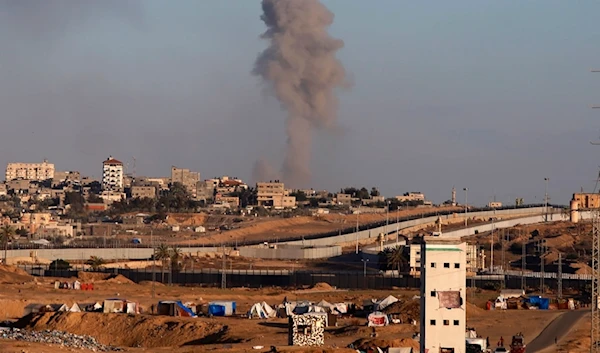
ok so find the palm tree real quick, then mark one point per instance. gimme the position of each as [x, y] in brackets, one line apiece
[95, 262]
[396, 258]
[162, 253]
[6, 233]
[175, 256]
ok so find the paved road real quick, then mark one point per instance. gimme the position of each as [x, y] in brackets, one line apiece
[557, 328]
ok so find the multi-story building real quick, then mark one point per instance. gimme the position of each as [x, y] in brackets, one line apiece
[587, 200]
[30, 171]
[411, 197]
[443, 296]
[343, 199]
[274, 194]
[185, 178]
[66, 177]
[112, 174]
[143, 192]
[473, 258]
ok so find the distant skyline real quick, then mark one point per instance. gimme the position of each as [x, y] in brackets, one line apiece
[493, 96]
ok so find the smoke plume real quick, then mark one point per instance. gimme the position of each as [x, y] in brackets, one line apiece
[302, 71]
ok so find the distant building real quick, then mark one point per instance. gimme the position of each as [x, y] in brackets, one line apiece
[143, 192]
[30, 171]
[472, 258]
[587, 200]
[66, 177]
[411, 197]
[186, 178]
[234, 202]
[343, 199]
[112, 174]
[495, 204]
[274, 195]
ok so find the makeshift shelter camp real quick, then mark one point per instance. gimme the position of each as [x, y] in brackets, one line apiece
[174, 308]
[540, 302]
[75, 308]
[378, 318]
[221, 308]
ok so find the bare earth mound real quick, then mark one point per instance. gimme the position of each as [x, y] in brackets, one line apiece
[12, 275]
[127, 330]
[119, 279]
[322, 286]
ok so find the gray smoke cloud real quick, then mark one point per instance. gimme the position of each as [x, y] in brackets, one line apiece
[301, 70]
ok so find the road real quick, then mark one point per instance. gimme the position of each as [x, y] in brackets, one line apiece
[557, 329]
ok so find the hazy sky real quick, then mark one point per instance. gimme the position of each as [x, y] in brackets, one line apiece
[489, 95]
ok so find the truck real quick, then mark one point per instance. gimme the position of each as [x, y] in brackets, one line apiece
[476, 345]
[517, 344]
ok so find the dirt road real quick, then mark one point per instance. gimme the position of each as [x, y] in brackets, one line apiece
[558, 328]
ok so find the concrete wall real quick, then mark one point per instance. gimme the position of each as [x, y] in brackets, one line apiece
[372, 233]
[292, 252]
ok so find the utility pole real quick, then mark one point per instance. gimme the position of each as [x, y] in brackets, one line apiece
[223, 275]
[492, 248]
[546, 200]
[560, 288]
[542, 252]
[387, 218]
[466, 190]
[153, 261]
[523, 265]
[364, 261]
[502, 245]
[595, 327]
[357, 214]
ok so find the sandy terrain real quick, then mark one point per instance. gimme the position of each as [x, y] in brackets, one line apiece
[149, 333]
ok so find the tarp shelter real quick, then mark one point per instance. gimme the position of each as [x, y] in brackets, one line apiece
[261, 310]
[91, 307]
[378, 318]
[540, 302]
[76, 285]
[75, 308]
[512, 293]
[120, 306]
[221, 308]
[174, 308]
[387, 301]
[325, 305]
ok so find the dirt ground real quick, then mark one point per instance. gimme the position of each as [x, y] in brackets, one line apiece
[150, 333]
[578, 340]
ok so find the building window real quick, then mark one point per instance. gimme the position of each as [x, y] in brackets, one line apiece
[418, 253]
[457, 265]
[455, 322]
[432, 322]
[432, 293]
[446, 322]
[446, 265]
[433, 265]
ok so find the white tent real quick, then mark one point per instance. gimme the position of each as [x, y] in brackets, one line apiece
[384, 303]
[340, 308]
[256, 311]
[268, 310]
[76, 285]
[325, 304]
[75, 308]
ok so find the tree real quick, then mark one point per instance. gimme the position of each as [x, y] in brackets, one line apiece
[175, 256]
[94, 198]
[95, 262]
[300, 195]
[375, 192]
[59, 264]
[396, 258]
[162, 253]
[6, 232]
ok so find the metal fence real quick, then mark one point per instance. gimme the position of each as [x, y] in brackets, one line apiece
[302, 278]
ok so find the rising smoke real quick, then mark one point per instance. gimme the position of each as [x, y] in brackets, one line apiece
[302, 71]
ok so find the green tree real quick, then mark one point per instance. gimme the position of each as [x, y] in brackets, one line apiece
[300, 195]
[95, 263]
[176, 199]
[162, 253]
[396, 258]
[175, 256]
[375, 192]
[7, 233]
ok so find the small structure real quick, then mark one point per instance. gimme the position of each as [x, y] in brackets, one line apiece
[221, 308]
[306, 330]
[262, 311]
[174, 308]
[377, 319]
[120, 306]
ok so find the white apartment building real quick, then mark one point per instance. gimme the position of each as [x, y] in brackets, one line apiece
[474, 262]
[29, 171]
[112, 174]
[443, 296]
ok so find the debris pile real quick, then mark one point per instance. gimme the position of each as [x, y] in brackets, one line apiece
[64, 339]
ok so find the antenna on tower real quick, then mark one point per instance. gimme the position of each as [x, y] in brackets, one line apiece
[595, 327]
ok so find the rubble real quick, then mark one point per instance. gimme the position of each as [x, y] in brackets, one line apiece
[64, 339]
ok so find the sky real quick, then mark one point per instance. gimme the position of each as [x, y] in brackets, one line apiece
[493, 96]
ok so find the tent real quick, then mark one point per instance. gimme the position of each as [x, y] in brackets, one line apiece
[120, 306]
[221, 308]
[75, 308]
[387, 301]
[174, 308]
[261, 310]
[378, 318]
[76, 285]
[91, 307]
[325, 305]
